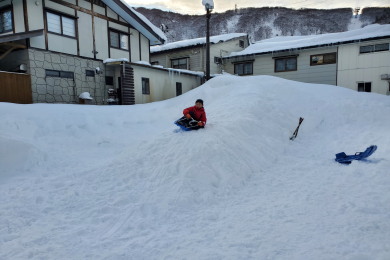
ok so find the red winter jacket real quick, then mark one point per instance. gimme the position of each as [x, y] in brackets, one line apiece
[197, 113]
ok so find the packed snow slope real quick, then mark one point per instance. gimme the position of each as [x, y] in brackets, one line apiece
[120, 182]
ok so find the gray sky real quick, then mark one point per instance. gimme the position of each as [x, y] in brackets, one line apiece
[196, 7]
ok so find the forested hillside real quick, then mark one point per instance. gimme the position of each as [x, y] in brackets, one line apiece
[266, 22]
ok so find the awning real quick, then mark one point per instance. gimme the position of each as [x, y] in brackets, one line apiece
[20, 36]
[9, 42]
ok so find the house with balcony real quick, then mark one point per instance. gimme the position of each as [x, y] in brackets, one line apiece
[52, 51]
[357, 59]
[191, 54]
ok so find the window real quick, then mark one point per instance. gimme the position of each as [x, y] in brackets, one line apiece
[374, 48]
[241, 43]
[321, 59]
[119, 40]
[181, 63]
[179, 89]
[109, 81]
[90, 73]
[6, 21]
[243, 68]
[60, 24]
[60, 74]
[217, 60]
[364, 86]
[145, 86]
[286, 64]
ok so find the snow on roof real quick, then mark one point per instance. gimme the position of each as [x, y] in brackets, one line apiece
[196, 41]
[115, 60]
[137, 20]
[291, 42]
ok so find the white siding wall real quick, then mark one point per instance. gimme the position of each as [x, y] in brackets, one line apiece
[197, 55]
[223, 49]
[60, 8]
[58, 43]
[118, 54]
[85, 34]
[35, 22]
[18, 16]
[368, 67]
[134, 45]
[145, 49]
[321, 74]
[101, 38]
[85, 4]
[162, 83]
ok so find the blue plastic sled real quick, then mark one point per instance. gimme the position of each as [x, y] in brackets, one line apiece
[186, 124]
[347, 159]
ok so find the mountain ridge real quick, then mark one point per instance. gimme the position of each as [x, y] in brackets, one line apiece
[266, 22]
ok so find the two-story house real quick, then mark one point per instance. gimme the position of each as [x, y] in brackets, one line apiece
[191, 54]
[68, 47]
[357, 59]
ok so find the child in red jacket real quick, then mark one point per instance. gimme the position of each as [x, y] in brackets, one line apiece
[197, 113]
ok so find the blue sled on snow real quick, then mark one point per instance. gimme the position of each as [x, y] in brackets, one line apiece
[347, 159]
[187, 124]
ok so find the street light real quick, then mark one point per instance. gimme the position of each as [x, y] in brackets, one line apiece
[209, 6]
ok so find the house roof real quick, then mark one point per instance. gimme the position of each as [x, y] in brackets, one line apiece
[195, 42]
[137, 20]
[287, 43]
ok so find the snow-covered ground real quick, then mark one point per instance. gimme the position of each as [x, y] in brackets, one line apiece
[119, 182]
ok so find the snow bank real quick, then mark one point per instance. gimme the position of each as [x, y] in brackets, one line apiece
[123, 178]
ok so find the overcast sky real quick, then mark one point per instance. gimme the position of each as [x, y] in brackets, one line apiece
[196, 7]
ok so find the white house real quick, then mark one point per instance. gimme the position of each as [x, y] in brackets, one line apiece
[191, 54]
[357, 59]
[61, 46]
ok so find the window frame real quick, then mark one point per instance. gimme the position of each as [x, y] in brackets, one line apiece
[61, 16]
[324, 62]
[365, 88]
[179, 88]
[119, 37]
[373, 48]
[180, 65]
[145, 86]
[90, 73]
[3, 11]
[59, 74]
[285, 59]
[244, 73]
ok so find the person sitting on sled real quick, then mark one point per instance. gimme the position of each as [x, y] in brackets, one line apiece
[196, 113]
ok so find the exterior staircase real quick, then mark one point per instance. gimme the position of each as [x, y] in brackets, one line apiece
[127, 85]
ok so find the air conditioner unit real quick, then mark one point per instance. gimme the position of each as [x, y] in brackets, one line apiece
[385, 76]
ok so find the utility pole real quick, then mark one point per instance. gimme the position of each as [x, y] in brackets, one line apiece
[208, 16]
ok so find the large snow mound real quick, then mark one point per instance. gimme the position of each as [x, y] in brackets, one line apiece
[120, 182]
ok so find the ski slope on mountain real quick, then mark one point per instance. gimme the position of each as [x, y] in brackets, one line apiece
[119, 182]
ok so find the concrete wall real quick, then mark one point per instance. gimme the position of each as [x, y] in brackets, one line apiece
[64, 90]
[366, 67]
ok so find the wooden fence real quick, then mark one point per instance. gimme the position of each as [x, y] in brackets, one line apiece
[15, 88]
